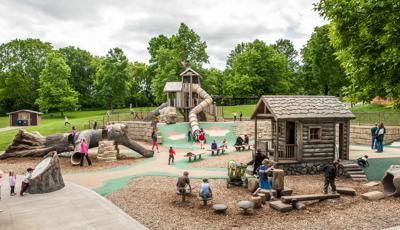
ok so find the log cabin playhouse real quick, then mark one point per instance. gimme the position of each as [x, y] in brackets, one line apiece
[306, 131]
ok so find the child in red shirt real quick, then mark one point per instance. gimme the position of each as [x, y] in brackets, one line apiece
[171, 155]
[201, 140]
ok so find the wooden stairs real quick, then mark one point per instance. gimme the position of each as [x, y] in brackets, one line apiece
[352, 170]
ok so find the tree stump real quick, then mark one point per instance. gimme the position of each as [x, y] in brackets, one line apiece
[278, 179]
[262, 195]
[256, 202]
[252, 185]
[47, 175]
[266, 193]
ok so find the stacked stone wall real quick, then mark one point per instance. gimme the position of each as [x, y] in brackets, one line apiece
[107, 151]
[360, 134]
[141, 131]
[247, 127]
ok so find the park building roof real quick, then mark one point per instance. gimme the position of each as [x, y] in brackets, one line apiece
[190, 71]
[24, 110]
[173, 87]
[301, 107]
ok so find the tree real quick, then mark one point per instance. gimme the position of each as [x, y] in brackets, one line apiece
[285, 47]
[167, 55]
[82, 73]
[366, 35]
[263, 69]
[213, 81]
[140, 85]
[321, 71]
[55, 93]
[112, 78]
[21, 62]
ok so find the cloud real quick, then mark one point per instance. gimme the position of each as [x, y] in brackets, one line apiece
[98, 25]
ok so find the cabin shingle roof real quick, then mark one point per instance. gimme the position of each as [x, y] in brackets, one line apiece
[297, 107]
[25, 110]
[173, 87]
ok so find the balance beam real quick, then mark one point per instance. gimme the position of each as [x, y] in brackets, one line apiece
[288, 199]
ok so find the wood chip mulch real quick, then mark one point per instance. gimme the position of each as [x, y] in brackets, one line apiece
[153, 202]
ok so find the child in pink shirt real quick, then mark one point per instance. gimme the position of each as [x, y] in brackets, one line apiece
[12, 179]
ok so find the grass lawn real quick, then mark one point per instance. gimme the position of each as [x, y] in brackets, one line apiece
[247, 110]
[371, 114]
[53, 123]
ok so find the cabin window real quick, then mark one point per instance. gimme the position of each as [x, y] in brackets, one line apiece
[315, 133]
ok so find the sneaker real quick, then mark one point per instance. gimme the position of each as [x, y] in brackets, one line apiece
[334, 192]
[325, 192]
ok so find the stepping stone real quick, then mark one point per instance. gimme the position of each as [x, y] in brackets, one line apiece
[374, 195]
[220, 208]
[372, 184]
[266, 193]
[262, 195]
[346, 191]
[256, 202]
[245, 205]
[280, 206]
[252, 185]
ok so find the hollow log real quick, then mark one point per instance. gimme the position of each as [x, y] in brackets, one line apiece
[35, 145]
[47, 175]
[391, 181]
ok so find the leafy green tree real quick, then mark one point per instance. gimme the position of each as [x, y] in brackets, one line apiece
[167, 55]
[321, 71]
[366, 37]
[214, 81]
[55, 93]
[82, 73]
[254, 69]
[112, 78]
[285, 47]
[140, 85]
[21, 62]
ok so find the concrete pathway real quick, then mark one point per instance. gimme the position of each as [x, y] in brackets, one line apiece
[73, 207]
[8, 128]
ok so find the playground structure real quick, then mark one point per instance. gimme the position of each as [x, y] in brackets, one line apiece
[305, 131]
[189, 98]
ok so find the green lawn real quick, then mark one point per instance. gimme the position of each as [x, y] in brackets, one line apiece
[247, 110]
[371, 114]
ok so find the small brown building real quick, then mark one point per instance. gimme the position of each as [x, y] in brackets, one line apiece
[24, 117]
[306, 131]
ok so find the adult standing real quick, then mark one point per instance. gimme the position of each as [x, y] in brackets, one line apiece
[330, 175]
[154, 140]
[84, 152]
[380, 135]
[95, 125]
[257, 161]
[374, 131]
[234, 116]
[240, 116]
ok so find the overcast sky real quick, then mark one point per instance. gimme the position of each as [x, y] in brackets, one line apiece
[98, 25]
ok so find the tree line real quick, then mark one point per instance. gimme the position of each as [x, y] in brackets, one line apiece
[355, 56]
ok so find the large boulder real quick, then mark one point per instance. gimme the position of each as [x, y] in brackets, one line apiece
[391, 181]
[168, 115]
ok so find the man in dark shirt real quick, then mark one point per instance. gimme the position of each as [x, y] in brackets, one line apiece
[257, 161]
[183, 181]
[246, 139]
[330, 175]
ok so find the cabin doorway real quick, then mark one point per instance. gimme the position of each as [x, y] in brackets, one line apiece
[290, 147]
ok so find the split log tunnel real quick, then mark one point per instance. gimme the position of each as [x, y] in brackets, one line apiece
[391, 181]
[35, 145]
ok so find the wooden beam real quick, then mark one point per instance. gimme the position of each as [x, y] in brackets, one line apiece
[255, 134]
[288, 199]
[265, 115]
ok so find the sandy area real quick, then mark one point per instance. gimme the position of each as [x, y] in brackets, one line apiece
[19, 165]
[153, 202]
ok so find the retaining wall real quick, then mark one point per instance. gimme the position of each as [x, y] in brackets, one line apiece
[247, 127]
[361, 134]
[141, 131]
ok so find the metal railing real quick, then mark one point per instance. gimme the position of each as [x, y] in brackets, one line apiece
[370, 118]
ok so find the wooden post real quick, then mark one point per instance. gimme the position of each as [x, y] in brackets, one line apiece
[255, 134]
[278, 176]
[276, 148]
[347, 141]
[299, 140]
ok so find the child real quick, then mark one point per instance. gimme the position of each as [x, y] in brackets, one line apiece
[189, 135]
[205, 189]
[154, 140]
[73, 135]
[224, 143]
[84, 153]
[12, 179]
[263, 171]
[363, 161]
[25, 182]
[201, 140]
[171, 153]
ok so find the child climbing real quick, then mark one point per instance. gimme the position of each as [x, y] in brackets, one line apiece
[25, 182]
[263, 171]
[171, 154]
[205, 189]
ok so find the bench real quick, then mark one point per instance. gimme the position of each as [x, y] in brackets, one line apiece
[218, 150]
[191, 155]
[243, 147]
